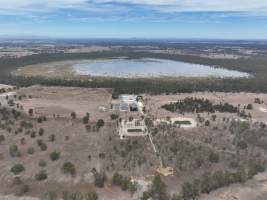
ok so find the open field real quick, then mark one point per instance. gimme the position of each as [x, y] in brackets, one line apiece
[62, 101]
[60, 69]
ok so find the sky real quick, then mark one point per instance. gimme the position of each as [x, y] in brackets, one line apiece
[213, 19]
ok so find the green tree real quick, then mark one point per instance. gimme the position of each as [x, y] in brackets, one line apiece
[214, 158]
[206, 183]
[242, 144]
[41, 175]
[100, 179]
[50, 196]
[68, 168]
[114, 116]
[117, 179]
[133, 187]
[30, 112]
[55, 155]
[86, 119]
[158, 189]
[13, 150]
[42, 163]
[73, 115]
[91, 196]
[17, 169]
[249, 106]
[100, 123]
[190, 191]
[41, 132]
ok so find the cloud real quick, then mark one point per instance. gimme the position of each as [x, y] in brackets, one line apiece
[132, 8]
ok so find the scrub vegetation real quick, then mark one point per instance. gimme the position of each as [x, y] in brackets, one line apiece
[254, 65]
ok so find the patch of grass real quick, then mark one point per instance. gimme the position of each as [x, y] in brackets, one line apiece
[134, 130]
[183, 122]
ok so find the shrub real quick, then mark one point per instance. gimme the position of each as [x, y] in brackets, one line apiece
[30, 150]
[88, 128]
[257, 100]
[75, 196]
[190, 191]
[124, 182]
[52, 138]
[43, 147]
[249, 106]
[40, 119]
[30, 112]
[91, 196]
[50, 196]
[117, 179]
[26, 125]
[17, 169]
[85, 119]
[39, 142]
[100, 123]
[41, 132]
[42, 163]
[207, 123]
[100, 179]
[242, 145]
[73, 115]
[13, 150]
[2, 138]
[255, 168]
[114, 116]
[33, 134]
[55, 156]
[158, 189]
[40, 176]
[68, 168]
[214, 158]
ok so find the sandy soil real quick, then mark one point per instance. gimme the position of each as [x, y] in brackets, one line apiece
[60, 69]
[62, 101]
[12, 197]
[53, 69]
[2, 86]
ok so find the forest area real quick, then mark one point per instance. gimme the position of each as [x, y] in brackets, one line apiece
[255, 65]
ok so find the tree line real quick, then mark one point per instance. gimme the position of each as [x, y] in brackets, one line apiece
[198, 105]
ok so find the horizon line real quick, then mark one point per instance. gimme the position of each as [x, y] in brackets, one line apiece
[36, 37]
